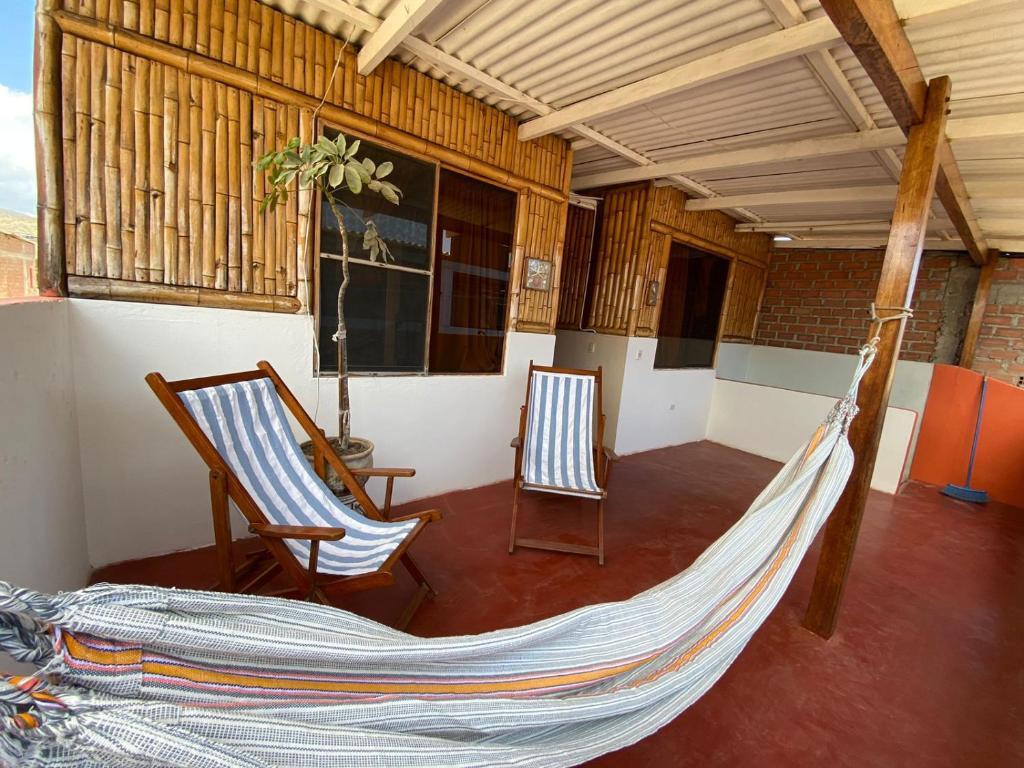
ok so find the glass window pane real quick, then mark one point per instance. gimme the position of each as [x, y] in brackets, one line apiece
[475, 223]
[691, 308]
[405, 227]
[386, 311]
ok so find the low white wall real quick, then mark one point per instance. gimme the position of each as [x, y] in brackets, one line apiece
[661, 407]
[645, 408]
[42, 526]
[821, 373]
[774, 423]
[146, 488]
[590, 351]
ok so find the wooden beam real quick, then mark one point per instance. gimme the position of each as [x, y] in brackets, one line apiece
[977, 312]
[803, 149]
[881, 193]
[874, 32]
[752, 54]
[393, 31]
[895, 288]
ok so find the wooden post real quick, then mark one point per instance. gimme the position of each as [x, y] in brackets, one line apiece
[895, 287]
[49, 151]
[978, 310]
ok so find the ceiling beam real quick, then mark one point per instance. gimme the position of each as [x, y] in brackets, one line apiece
[829, 228]
[457, 67]
[999, 245]
[803, 149]
[885, 193]
[392, 31]
[752, 54]
[831, 76]
[873, 30]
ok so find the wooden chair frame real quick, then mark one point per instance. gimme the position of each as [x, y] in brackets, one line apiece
[224, 485]
[603, 458]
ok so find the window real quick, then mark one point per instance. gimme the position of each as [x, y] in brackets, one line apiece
[440, 305]
[691, 308]
[473, 255]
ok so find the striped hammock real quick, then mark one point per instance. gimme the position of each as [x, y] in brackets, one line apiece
[140, 676]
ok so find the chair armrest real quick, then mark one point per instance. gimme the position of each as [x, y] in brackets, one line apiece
[516, 442]
[610, 454]
[383, 472]
[430, 516]
[311, 533]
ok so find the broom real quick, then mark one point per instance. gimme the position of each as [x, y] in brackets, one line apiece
[965, 492]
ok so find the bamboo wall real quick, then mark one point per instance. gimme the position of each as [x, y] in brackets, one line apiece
[165, 104]
[639, 223]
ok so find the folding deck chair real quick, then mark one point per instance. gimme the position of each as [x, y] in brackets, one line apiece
[557, 451]
[238, 425]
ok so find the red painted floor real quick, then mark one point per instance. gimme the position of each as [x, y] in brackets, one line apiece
[926, 668]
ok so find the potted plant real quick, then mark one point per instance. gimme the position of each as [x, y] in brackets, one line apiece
[332, 166]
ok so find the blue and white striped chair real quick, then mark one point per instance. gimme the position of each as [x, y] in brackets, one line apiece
[560, 447]
[238, 424]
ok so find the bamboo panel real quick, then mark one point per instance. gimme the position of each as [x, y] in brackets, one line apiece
[621, 257]
[743, 306]
[169, 102]
[712, 226]
[262, 41]
[579, 244]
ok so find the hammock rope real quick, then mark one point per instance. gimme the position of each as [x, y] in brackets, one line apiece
[133, 675]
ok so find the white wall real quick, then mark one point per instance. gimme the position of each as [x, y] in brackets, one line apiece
[774, 423]
[661, 407]
[645, 408]
[42, 526]
[146, 488]
[822, 373]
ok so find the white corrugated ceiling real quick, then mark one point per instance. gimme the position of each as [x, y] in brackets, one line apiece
[561, 52]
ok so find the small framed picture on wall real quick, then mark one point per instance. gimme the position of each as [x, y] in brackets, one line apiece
[538, 274]
[652, 293]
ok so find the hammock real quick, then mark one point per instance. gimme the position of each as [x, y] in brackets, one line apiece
[141, 676]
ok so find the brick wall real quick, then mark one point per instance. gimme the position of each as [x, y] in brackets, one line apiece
[818, 300]
[17, 267]
[1000, 351]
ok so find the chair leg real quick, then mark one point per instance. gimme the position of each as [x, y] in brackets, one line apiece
[515, 513]
[417, 574]
[600, 532]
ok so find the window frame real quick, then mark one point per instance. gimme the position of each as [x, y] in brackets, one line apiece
[319, 126]
[717, 252]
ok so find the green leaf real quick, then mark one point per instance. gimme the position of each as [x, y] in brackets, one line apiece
[293, 143]
[375, 185]
[353, 179]
[327, 146]
[359, 168]
[387, 191]
[385, 169]
[340, 143]
[264, 162]
[369, 165]
[352, 149]
[337, 175]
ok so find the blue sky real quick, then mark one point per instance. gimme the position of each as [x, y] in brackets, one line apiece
[17, 166]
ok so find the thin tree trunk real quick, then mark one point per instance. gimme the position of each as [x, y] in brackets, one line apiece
[344, 409]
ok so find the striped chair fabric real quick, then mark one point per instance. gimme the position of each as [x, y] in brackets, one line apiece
[558, 453]
[246, 422]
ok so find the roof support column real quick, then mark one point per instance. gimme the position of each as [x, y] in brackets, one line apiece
[895, 288]
[978, 311]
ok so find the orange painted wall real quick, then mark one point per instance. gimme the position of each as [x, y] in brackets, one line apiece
[944, 445]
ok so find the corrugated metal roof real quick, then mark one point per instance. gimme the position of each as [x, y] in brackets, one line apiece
[561, 52]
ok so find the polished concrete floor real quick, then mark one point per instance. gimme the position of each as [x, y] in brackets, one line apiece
[926, 668]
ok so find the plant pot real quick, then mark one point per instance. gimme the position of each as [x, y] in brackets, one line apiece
[358, 456]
